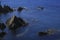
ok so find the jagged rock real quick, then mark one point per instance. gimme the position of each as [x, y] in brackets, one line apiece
[5, 9]
[1, 9]
[2, 26]
[20, 9]
[15, 22]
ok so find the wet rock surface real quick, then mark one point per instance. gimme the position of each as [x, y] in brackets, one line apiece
[15, 22]
[2, 26]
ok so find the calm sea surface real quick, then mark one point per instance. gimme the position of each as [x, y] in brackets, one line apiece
[39, 20]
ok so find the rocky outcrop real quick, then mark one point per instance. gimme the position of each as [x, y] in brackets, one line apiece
[15, 22]
[20, 9]
[5, 9]
[2, 26]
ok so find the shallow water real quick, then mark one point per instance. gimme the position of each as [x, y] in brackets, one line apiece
[39, 20]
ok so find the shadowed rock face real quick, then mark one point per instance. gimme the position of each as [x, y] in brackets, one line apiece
[20, 9]
[15, 22]
[5, 9]
[2, 26]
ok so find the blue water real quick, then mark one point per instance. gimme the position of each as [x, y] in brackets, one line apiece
[39, 20]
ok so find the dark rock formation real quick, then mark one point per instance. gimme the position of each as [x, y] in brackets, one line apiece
[2, 26]
[2, 34]
[48, 32]
[20, 9]
[41, 8]
[5, 9]
[1, 9]
[15, 22]
[43, 33]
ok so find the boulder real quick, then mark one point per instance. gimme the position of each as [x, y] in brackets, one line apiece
[15, 22]
[2, 34]
[2, 26]
[41, 8]
[20, 9]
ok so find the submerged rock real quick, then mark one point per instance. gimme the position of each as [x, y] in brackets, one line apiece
[20, 9]
[41, 8]
[15, 22]
[5, 9]
[2, 26]
[43, 33]
[48, 32]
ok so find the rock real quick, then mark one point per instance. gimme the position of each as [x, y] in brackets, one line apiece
[41, 8]
[43, 33]
[5, 9]
[2, 26]
[48, 32]
[1, 9]
[15, 22]
[2, 34]
[20, 9]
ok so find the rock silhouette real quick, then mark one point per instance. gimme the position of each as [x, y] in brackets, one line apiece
[41, 8]
[20, 9]
[48, 32]
[2, 34]
[5, 9]
[15, 22]
[43, 33]
[2, 26]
